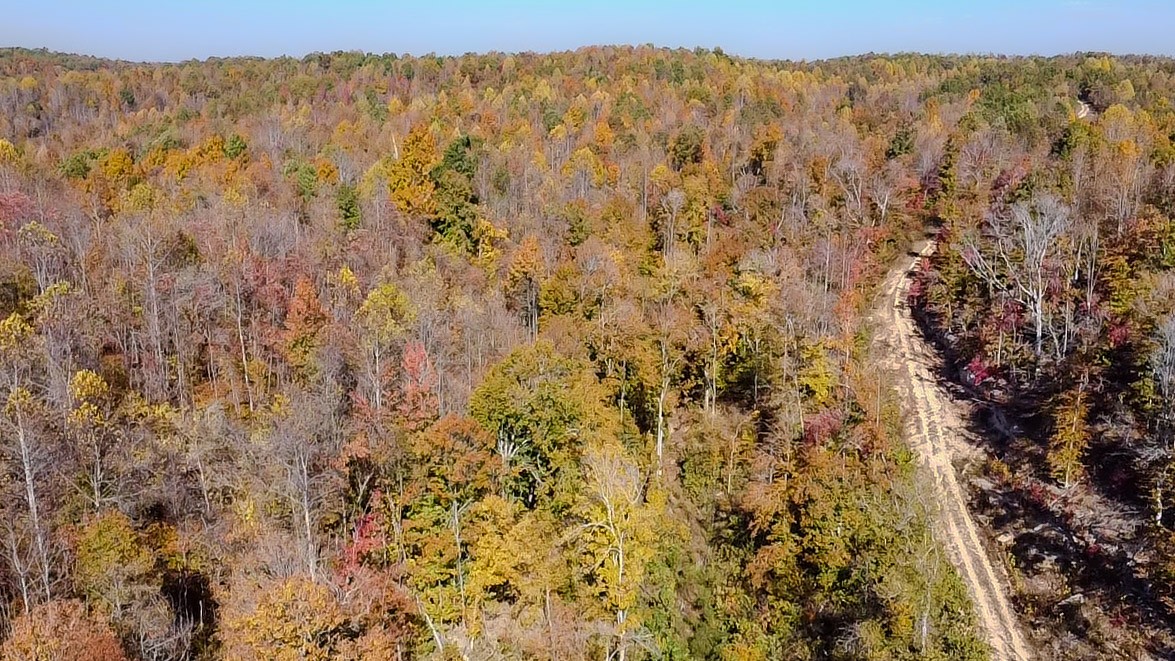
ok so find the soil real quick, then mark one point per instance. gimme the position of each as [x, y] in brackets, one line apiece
[936, 431]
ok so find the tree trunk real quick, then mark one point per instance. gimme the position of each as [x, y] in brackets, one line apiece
[26, 459]
[661, 397]
[241, 343]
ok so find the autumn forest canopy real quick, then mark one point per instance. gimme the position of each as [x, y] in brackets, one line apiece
[572, 356]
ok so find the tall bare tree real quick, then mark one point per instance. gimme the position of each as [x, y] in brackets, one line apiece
[1022, 242]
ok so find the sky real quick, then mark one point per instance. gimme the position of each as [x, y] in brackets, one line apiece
[170, 30]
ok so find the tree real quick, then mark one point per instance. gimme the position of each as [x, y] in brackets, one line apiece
[457, 216]
[144, 254]
[411, 188]
[455, 461]
[297, 618]
[350, 213]
[1023, 241]
[687, 147]
[619, 535]
[92, 429]
[1162, 454]
[1070, 437]
[383, 320]
[524, 277]
[670, 328]
[26, 455]
[235, 146]
[454, 467]
[41, 250]
[417, 402]
[114, 568]
[302, 443]
[304, 331]
[543, 409]
[61, 630]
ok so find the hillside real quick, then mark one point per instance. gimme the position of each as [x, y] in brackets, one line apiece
[566, 356]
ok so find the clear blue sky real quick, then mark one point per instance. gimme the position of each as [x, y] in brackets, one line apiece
[794, 29]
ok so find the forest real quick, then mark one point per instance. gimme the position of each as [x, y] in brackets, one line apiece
[571, 355]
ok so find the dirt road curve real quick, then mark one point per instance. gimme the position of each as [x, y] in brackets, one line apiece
[937, 434]
[1082, 109]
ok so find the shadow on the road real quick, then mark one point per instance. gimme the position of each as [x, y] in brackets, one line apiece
[1054, 531]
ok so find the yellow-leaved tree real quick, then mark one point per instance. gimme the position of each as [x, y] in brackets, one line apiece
[1070, 437]
[620, 534]
[295, 620]
[383, 320]
[409, 185]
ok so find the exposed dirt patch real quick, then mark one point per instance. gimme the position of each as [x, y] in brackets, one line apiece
[938, 434]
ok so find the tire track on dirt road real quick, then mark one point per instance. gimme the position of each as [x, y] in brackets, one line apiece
[936, 432]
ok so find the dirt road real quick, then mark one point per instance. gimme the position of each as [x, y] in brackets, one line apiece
[935, 430]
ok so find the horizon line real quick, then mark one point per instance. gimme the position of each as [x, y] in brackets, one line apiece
[5, 50]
